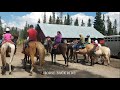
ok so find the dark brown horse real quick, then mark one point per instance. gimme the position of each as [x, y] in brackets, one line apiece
[48, 45]
[61, 49]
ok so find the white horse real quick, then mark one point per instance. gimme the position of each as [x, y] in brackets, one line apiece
[3, 56]
[103, 51]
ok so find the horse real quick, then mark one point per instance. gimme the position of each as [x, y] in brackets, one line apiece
[3, 56]
[15, 38]
[103, 51]
[48, 46]
[35, 48]
[73, 53]
[61, 49]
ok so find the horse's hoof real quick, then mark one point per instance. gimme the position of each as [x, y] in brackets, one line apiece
[54, 63]
[30, 74]
[24, 67]
[10, 73]
[12, 67]
[42, 73]
[3, 73]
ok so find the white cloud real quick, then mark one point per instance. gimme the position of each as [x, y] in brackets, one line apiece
[32, 18]
[82, 16]
[113, 16]
[3, 23]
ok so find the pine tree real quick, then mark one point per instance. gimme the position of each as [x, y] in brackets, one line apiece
[109, 27]
[98, 23]
[58, 20]
[61, 15]
[104, 25]
[76, 22]
[115, 27]
[50, 20]
[68, 20]
[25, 31]
[1, 28]
[71, 21]
[44, 20]
[65, 21]
[53, 18]
[89, 23]
[82, 23]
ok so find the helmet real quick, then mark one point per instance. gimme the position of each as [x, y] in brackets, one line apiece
[7, 29]
[88, 35]
[4, 32]
[48, 36]
[80, 35]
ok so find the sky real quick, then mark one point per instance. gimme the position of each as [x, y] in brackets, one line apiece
[18, 19]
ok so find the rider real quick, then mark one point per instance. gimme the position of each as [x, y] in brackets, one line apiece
[88, 39]
[7, 37]
[97, 45]
[82, 40]
[32, 36]
[58, 38]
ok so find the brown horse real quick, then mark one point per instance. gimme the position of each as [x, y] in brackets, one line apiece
[35, 48]
[73, 53]
[61, 49]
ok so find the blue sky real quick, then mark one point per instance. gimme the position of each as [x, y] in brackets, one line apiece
[7, 15]
[18, 19]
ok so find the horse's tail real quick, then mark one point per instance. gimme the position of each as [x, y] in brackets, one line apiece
[41, 52]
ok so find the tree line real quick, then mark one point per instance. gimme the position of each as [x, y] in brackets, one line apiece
[99, 23]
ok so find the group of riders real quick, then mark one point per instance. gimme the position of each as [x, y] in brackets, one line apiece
[77, 44]
[32, 36]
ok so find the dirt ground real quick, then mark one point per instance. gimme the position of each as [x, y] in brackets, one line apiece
[75, 70]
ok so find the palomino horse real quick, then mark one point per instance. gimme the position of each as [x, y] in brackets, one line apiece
[3, 55]
[103, 51]
[61, 49]
[35, 48]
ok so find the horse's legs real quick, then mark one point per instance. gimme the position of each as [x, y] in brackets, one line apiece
[25, 61]
[12, 46]
[107, 59]
[66, 59]
[52, 56]
[32, 59]
[92, 60]
[76, 58]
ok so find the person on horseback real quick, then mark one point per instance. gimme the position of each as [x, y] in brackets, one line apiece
[32, 36]
[82, 40]
[7, 37]
[88, 39]
[97, 45]
[58, 39]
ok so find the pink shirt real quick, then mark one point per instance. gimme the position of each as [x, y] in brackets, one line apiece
[7, 37]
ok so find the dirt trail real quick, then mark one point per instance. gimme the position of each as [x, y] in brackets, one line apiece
[75, 70]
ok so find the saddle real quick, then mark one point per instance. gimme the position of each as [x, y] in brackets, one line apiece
[55, 46]
[7, 41]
